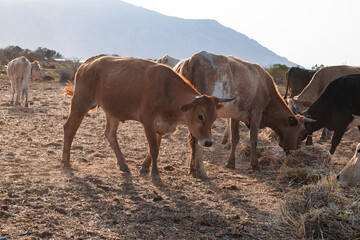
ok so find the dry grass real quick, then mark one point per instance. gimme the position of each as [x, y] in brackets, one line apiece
[324, 210]
[97, 201]
[305, 165]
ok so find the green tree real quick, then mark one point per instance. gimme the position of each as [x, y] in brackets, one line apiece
[317, 67]
[278, 71]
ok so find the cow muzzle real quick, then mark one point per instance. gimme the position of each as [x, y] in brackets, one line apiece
[206, 142]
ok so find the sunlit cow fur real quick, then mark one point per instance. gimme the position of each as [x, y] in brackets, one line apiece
[19, 71]
[144, 91]
[350, 174]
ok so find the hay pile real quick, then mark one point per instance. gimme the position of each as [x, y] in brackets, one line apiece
[325, 210]
[306, 165]
[267, 155]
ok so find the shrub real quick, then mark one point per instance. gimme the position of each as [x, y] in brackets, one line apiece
[278, 71]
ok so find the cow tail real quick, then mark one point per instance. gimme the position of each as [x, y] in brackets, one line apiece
[69, 89]
[287, 83]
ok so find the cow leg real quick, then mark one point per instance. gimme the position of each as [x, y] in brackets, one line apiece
[153, 151]
[13, 89]
[70, 127]
[25, 92]
[18, 85]
[234, 125]
[338, 134]
[146, 164]
[112, 125]
[226, 133]
[325, 135]
[309, 140]
[197, 169]
[254, 131]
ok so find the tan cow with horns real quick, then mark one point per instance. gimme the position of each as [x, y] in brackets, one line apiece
[140, 90]
[258, 103]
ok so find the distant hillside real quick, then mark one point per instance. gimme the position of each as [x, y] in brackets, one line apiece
[82, 28]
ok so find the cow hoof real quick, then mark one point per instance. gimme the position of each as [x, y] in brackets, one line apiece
[125, 169]
[227, 146]
[144, 171]
[68, 170]
[156, 179]
[230, 165]
[201, 175]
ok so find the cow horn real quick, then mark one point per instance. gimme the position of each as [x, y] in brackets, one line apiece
[295, 110]
[309, 120]
[298, 100]
[227, 99]
[199, 97]
[307, 117]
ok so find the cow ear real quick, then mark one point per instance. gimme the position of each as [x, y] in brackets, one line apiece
[187, 107]
[217, 103]
[292, 121]
[219, 106]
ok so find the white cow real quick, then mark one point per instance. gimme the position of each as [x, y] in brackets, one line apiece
[170, 61]
[350, 175]
[19, 71]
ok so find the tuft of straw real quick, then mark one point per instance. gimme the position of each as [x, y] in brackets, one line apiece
[268, 156]
[306, 165]
[323, 210]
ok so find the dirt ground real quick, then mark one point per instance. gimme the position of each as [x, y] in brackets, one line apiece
[99, 202]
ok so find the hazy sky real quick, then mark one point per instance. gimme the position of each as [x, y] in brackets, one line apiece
[307, 32]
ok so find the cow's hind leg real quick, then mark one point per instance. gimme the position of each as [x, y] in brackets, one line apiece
[18, 87]
[112, 125]
[13, 89]
[71, 125]
[254, 131]
[234, 141]
[226, 134]
[25, 92]
[325, 135]
[146, 164]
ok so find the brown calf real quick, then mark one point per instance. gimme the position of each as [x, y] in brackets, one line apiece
[140, 90]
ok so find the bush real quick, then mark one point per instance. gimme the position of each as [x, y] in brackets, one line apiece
[278, 71]
[68, 72]
[41, 54]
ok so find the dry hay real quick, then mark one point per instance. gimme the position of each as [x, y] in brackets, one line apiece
[306, 165]
[324, 210]
[268, 156]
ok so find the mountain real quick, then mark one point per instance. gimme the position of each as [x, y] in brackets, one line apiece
[83, 28]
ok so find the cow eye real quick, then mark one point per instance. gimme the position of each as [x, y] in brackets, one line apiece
[201, 117]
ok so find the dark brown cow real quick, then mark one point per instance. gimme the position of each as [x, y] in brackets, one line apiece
[296, 80]
[258, 103]
[140, 90]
